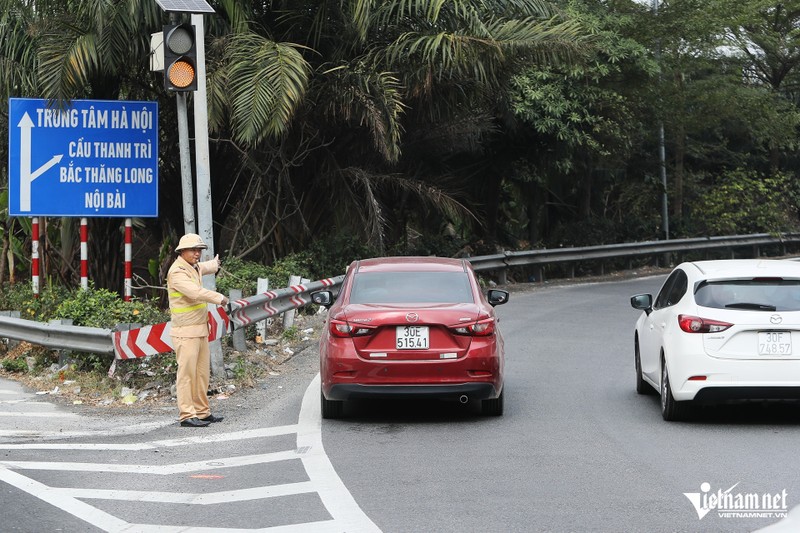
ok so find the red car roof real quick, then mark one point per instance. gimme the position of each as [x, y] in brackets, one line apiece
[410, 264]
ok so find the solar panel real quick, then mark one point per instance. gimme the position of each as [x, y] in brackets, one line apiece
[185, 6]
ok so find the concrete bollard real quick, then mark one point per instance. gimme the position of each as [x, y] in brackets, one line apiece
[261, 325]
[288, 316]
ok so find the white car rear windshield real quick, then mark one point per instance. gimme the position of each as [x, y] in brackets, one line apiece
[751, 294]
[411, 287]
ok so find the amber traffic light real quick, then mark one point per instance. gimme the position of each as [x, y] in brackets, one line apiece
[180, 58]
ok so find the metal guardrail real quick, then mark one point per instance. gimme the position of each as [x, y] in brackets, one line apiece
[268, 304]
[542, 258]
[255, 308]
[57, 336]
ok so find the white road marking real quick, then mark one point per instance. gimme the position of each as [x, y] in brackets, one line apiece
[21, 433]
[38, 414]
[337, 499]
[171, 443]
[213, 498]
[57, 498]
[160, 470]
[322, 478]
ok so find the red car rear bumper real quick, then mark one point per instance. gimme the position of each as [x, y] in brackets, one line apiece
[474, 391]
[479, 375]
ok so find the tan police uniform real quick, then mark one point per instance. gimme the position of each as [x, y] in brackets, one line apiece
[188, 301]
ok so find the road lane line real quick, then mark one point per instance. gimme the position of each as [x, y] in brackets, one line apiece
[211, 498]
[334, 494]
[161, 470]
[77, 508]
[39, 414]
[328, 526]
[323, 480]
[222, 437]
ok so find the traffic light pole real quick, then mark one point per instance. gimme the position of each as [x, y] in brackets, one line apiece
[184, 150]
[186, 164]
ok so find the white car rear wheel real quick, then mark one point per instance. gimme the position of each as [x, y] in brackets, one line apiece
[671, 409]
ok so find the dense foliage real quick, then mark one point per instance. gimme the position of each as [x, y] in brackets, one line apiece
[347, 128]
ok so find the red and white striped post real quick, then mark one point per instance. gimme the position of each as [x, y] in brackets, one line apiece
[35, 256]
[128, 256]
[84, 253]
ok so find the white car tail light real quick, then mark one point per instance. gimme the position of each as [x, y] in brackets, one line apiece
[696, 324]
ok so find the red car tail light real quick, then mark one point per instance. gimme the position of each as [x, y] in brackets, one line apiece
[339, 328]
[481, 328]
[695, 324]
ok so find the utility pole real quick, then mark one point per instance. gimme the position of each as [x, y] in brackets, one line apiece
[205, 220]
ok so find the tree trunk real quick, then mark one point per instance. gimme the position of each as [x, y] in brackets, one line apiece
[3, 254]
[532, 209]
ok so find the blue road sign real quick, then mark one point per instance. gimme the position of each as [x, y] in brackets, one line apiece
[95, 158]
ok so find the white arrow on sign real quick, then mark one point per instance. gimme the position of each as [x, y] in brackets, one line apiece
[26, 177]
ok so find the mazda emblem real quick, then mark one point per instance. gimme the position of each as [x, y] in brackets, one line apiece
[412, 317]
[776, 319]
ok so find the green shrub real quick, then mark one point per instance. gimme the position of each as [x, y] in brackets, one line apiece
[102, 308]
[19, 297]
[238, 274]
[329, 257]
[243, 275]
[15, 365]
[742, 202]
[324, 258]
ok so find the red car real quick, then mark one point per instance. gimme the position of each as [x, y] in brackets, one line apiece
[405, 327]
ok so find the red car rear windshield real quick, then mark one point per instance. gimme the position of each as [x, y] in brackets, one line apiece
[411, 287]
[767, 294]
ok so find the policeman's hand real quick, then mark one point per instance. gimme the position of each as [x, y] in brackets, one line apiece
[225, 300]
[219, 263]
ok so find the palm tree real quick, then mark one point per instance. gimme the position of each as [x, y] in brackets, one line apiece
[402, 101]
[369, 116]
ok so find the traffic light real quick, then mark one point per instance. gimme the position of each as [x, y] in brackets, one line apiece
[180, 58]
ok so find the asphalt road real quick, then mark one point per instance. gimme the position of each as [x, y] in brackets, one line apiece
[577, 450]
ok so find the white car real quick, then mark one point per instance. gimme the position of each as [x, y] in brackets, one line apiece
[720, 330]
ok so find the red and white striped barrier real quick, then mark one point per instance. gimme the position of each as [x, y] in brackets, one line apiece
[35, 256]
[151, 340]
[84, 253]
[128, 261]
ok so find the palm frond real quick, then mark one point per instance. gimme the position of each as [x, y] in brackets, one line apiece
[18, 47]
[266, 82]
[369, 99]
[67, 61]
